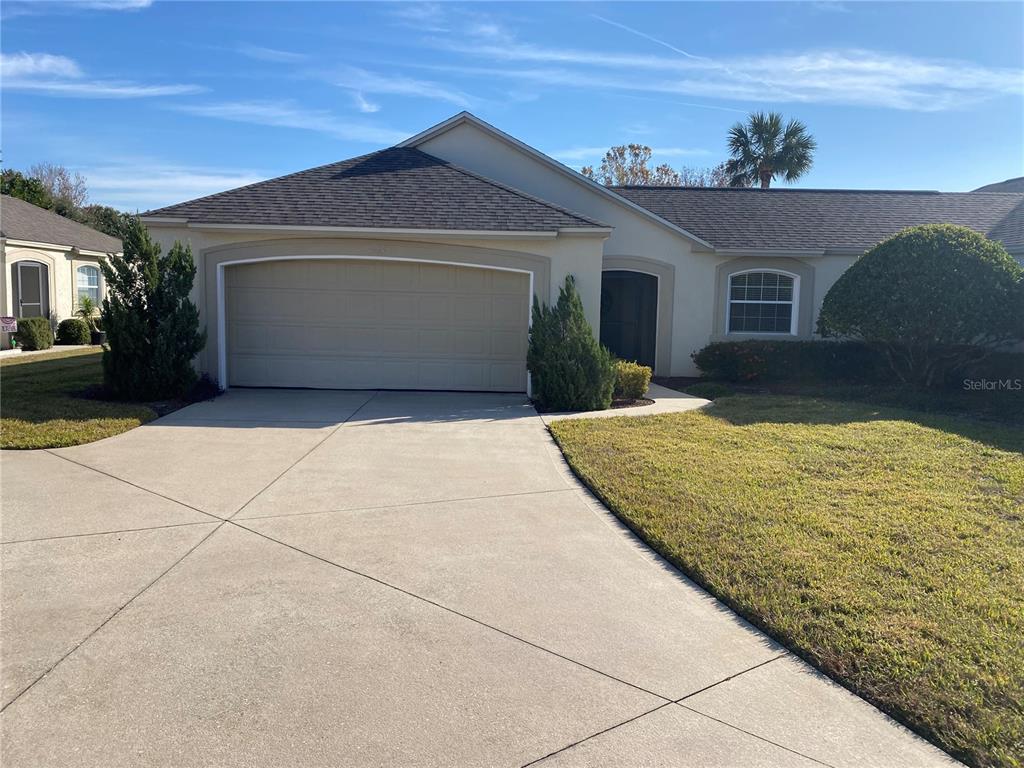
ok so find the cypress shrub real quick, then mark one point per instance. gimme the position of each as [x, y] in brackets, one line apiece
[571, 370]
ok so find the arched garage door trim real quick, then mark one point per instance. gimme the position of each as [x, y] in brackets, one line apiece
[222, 348]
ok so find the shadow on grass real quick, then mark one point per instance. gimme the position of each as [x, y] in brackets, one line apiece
[831, 409]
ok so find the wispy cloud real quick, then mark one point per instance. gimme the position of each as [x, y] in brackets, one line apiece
[141, 185]
[578, 154]
[362, 81]
[363, 105]
[262, 53]
[112, 5]
[18, 65]
[426, 17]
[54, 75]
[286, 114]
[850, 76]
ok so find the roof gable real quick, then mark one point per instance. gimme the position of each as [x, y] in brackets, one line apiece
[466, 118]
[396, 188]
[24, 221]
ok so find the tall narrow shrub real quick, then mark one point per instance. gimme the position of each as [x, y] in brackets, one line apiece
[151, 323]
[570, 369]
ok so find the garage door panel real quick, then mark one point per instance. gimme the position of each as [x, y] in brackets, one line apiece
[376, 324]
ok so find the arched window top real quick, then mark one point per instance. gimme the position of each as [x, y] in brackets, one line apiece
[88, 282]
[762, 301]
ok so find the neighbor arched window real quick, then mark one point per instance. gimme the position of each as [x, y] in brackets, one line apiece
[762, 301]
[88, 283]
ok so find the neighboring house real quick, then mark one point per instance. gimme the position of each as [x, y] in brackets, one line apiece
[414, 267]
[47, 262]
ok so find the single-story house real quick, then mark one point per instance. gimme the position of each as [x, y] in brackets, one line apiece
[415, 266]
[47, 262]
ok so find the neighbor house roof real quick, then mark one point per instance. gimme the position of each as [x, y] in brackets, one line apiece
[396, 188]
[23, 221]
[1010, 185]
[799, 219]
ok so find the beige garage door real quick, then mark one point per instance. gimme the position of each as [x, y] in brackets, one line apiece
[363, 324]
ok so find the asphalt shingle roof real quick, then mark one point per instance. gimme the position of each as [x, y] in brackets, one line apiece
[400, 187]
[823, 219]
[23, 221]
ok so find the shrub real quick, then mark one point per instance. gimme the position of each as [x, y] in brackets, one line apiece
[932, 298]
[152, 326]
[709, 390]
[741, 361]
[631, 379]
[571, 370]
[73, 331]
[34, 333]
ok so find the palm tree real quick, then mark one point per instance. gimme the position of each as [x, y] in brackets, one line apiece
[762, 150]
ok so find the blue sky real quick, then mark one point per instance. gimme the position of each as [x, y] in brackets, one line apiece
[157, 102]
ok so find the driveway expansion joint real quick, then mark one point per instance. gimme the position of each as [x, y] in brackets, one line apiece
[443, 607]
[295, 463]
[108, 533]
[782, 655]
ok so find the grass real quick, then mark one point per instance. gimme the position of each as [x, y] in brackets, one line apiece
[41, 404]
[885, 546]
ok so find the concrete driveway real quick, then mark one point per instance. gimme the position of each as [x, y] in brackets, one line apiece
[313, 578]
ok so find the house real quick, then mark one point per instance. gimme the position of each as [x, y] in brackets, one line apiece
[415, 266]
[47, 262]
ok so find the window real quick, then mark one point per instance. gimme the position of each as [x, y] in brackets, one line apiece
[762, 302]
[89, 283]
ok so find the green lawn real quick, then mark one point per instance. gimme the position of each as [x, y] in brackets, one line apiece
[40, 406]
[885, 546]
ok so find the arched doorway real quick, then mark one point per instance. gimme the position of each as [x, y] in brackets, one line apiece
[629, 314]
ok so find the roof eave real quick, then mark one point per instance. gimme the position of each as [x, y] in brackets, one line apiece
[466, 117]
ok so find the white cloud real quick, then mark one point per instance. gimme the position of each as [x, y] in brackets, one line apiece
[15, 65]
[363, 105]
[60, 76]
[112, 5]
[261, 53]
[426, 17]
[850, 76]
[144, 185]
[285, 114]
[363, 81]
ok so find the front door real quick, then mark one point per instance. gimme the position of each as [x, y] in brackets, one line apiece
[629, 314]
[31, 289]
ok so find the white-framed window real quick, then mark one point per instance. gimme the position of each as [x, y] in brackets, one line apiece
[88, 282]
[762, 301]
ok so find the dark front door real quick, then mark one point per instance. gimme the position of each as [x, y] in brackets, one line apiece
[629, 314]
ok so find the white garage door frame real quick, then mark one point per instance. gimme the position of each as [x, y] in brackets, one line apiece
[222, 326]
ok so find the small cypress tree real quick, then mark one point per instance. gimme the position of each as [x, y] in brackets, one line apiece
[571, 370]
[151, 323]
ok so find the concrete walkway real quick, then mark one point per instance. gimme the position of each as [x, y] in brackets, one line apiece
[665, 401]
[355, 578]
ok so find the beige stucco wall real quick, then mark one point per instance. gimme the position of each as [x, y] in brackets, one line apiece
[61, 263]
[548, 259]
[697, 314]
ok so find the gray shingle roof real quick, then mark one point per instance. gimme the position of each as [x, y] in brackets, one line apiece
[23, 221]
[826, 219]
[1010, 185]
[400, 187]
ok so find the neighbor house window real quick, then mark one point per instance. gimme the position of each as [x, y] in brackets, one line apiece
[89, 283]
[762, 302]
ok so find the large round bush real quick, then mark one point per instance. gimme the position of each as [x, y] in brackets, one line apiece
[73, 331]
[935, 297]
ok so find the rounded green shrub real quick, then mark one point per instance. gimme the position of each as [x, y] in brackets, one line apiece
[73, 331]
[933, 298]
[631, 379]
[34, 333]
[570, 369]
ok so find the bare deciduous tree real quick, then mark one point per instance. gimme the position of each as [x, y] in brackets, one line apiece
[629, 164]
[63, 185]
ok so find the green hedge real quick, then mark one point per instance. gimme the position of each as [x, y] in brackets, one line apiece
[631, 379]
[791, 360]
[73, 331]
[831, 361]
[34, 333]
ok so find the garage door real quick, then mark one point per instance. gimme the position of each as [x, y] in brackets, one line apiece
[363, 324]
